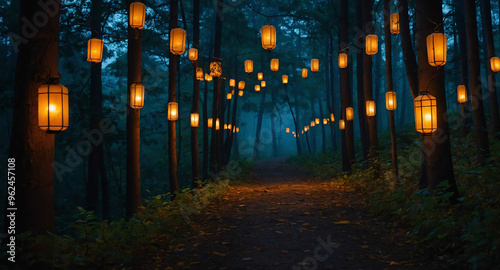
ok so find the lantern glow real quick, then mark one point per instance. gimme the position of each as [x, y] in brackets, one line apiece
[232, 82]
[137, 96]
[287, 130]
[461, 94]
[316, 121]
[268, 37]
[260, 76]
[284, 79]
[313, 123]
[248, 66]
[390, 101]
[262, 83]
[199, 74]
[240, 93]
[208, 77]
[94, 50]
[425, 113]
[195, 120]
[371, 44]
[436, 49]
[241, 85]
[342, 60]
[275, 64]
[173, 111]
[394, 23]
[349, 113]
[495, 64]
[177, 41]
[229, 96]
[193, 54]
[325, 121]
[257, 88]
[332, 117]
[53, 108]
[370, 108]
[217, 124]
[210, 122]
[304, 73]
[314, 65]
[216, 69]
[341, 124]
[137, 15]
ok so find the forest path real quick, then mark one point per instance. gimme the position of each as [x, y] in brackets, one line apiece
[285, 219]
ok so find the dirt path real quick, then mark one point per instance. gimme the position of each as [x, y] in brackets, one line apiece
[284, 219]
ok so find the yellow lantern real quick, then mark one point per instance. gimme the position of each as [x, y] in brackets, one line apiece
[216, 69]
[341, 124]
[293, 132]
[53, 108]
[248, 66]
[193, 54]
[325, 121]
[342, 60]
[287, 130]
[436, 49]
[349, 113]
[332, 117]
[313, 124]
[370, 108]
[177, 41]
[225, 126]
[461, 94]
[241, 85]
[394, 21]
[137, 96]
[210, 122]
[229, 96]
[232, 82]
[371, 44]
[173, 111]
[260, 76]
[232, 92]
[268, 36]
[425, 113]
[217, 124]
[229, 127]
[208, 77]
[94, 50]
[257, 88]
[199, 74]
[314, 65]
[304, 73]
[237, 129]
[495, 64]
[284, 79]
[294, 135]
[240, 93]
[195, 120]
[137, 15]
[262, 83]
[317, 121]
[390, 101]
[275, 64]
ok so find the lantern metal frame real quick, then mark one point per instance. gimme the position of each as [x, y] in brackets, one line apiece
[134, 89]
[275, 64]
[268, 31]
[371, 44]
[248, 66]
[133, 8]
[425, 105]
[390, 96]
[314, 65]
[216, 69]
[193, 54]
[435, 47]
[394, 23]
[369, 104]
[91, 57]
[170, 108]
[50, 91]
[177, 48]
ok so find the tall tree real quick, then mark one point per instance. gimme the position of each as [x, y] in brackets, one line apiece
[321, 117]
[259, 125]
[216, 134]
[363, 125]
[195, 152]
[172, 97]
[464, 64]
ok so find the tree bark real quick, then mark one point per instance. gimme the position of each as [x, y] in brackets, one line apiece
[464, 64]
[259, 125]
[195, 151]
[206, 144]
[363, 125]
[172, 97]
[321, 117]
[313, 132]
[273, 129]
[215, 153]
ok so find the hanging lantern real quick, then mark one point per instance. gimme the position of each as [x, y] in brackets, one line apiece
[284, 79]
[137, 15]
[137, 96]
[240, 93]
[177, 41]
[275, 64]
[217, 124]
[317, 121]
[349, 113]
[225, 126]
[241, 85]
[287, 130]
[257, 88]
[341, 124]
[425, 113]
[229, 127]
[248, 66]
[53, 107]
[232, 82]
[210, 122]
[262, 83]
[325, 121]
[332, 117]
[199, 74]
[461, 94]
[208, 77]
[314, 65]
[293, 132]
[232, 92]
[342, 60]
[193, 54]
[229, 96]
[394, 21]
[173, 111]
[313, 124]
[495, 64]
[268, 36]
[260, 76]
[371, 44]
[294, 135]
[94, 50]
[306, 129]
[304, 73]
[195, 120]
[436, 49]
[216, 69]
[237, 129]
[370, 108]
[390, 101]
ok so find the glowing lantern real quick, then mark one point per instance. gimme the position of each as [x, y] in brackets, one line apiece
[137, 15]
[248, 66]
[225, 126]
[349, 113]
[173, 111]
[325, 121]
[317, 121]
[53, 108]
[94, 50]
[240, 93]
[390, 101]
[229, 96]
[268, 36]
[275, 64]
[342, 60]
[371, 44]
[193, 54]
[284, 79]
[304, 73]
[332, 117]
[495, 64]
[370, 108]
[262, 83]
[177, 41]
[341, 124]
[232, 92]
[195, 120]
[229, 127]
[215, 69]
[287, 130]
[217, 124]
[241, 85]
[314, 65]
[425, 113]
[210, 122]
[208, 77]
[394, 21]
[436, 49]
[257, 88]
[461, 94]
[260, 76]
[199, 74]
[293, 132]
[232, 82]
[294, 135]
[137, 96]
[237, 129]
[313, 124]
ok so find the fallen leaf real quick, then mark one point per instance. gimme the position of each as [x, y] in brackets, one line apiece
[342, 222]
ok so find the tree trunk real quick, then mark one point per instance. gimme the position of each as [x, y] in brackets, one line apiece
[215, 153]
[332, 80]
[273, 129]
[439, 159]
[313, 130]
[195, 151]
[106, 209]
[464, 64]
[297, 117]
[172, 74]
[205, 133]
[328, 85]
[492, 85]
[363, 125]
[259, 125]
[323, 133]
[232, 135]
[133, 196]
